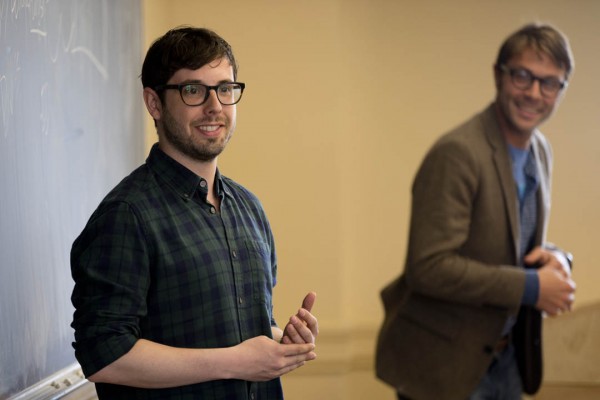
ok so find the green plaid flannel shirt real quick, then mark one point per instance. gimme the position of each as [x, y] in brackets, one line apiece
[156, 261]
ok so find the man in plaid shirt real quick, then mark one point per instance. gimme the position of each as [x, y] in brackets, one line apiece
[175, 269]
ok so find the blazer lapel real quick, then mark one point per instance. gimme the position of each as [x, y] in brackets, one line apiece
[544, 191]
[504, 171]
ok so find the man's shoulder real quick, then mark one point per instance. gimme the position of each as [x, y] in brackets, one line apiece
[477, 136]
[471, 129]
[133, 186]
[466, 144]
[135, 191]
[237, 189]
[243, 198]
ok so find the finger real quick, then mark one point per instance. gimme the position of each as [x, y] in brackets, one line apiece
[551, 312]
[290, 368]
[309, 301]
[555, 261]
[296, 362]
[297, 349]
[280, 370]
[291, 331]
[286, 340]
[563, 263]
[569, 302]
[563, 272]
[534, 255]
[310, 320]
[301, 358]
[302, 329]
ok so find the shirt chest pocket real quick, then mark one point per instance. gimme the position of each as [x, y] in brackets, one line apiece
[260, 270]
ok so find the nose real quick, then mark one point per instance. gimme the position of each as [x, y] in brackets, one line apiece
[212, 104]
[535, 89]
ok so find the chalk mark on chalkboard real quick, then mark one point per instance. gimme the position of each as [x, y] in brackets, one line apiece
[93, 59]
[37, 9]
[44, 114]
[7, 92]
[39, 32]
[77, 49]
[6, 105]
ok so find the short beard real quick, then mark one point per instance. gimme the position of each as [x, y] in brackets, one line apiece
[174, 134]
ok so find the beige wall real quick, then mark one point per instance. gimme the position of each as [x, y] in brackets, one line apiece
[343, 98]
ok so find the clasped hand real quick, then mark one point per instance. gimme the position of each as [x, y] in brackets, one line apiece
[262, 359]
[557, 289]
[303, 327]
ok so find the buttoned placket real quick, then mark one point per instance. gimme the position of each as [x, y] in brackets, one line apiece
[236, 266]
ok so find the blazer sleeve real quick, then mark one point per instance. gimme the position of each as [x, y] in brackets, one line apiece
[446, 189]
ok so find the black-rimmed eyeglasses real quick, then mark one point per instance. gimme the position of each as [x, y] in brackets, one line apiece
[196, 94]
[523, 79]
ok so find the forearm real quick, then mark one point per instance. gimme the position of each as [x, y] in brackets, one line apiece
[152, 365]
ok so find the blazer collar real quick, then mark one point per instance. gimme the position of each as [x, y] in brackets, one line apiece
[502, 164]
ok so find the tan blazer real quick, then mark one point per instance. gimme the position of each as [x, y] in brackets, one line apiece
[445, 313]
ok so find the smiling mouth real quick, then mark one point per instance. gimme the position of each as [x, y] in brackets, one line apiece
[209, 128]
[528, 111]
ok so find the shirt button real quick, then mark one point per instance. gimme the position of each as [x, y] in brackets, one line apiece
[213, 210]
[240, 300]
[234, 254]
[203, 183]
[252, 396]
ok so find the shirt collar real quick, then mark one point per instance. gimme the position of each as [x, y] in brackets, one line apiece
[524, 159]
[179, 178]
[221, 184]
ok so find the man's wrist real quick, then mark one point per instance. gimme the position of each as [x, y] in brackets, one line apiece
[532, 288]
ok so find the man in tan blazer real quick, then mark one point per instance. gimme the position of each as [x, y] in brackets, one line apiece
[464, 319]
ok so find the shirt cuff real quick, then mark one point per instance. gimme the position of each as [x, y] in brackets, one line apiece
[532, 288]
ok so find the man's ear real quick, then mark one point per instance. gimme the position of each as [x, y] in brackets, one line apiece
[153, 103]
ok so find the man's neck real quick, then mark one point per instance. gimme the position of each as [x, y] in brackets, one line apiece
[517, 140]
[205, 169]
